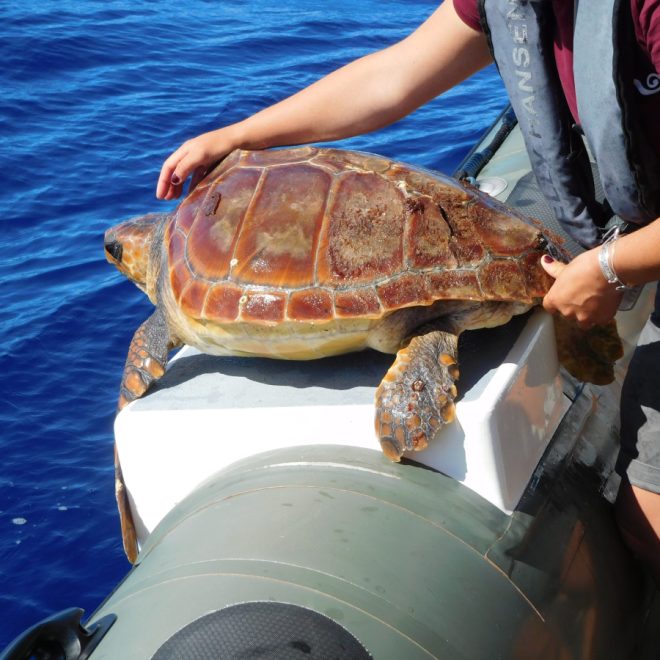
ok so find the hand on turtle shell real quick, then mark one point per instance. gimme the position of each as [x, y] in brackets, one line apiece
[194, 158]
[580, 292]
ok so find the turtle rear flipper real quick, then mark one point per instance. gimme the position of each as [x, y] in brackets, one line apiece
[416, 396]
[588, 355]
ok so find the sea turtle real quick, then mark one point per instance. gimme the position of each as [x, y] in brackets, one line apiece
[309, 252]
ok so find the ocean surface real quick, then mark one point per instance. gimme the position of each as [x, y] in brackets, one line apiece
[94, 94]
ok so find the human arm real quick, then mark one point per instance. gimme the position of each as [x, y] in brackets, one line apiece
[581, 292]
[367, 94]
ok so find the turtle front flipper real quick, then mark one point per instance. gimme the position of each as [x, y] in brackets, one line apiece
[147, 358]
[146, 361]
[416, 397]
[128, 533]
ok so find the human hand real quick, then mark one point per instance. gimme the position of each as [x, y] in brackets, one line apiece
[580, 291]
[193, 158]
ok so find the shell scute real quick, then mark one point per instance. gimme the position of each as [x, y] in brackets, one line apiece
[223, 302]
[466, 243]
[403, 291]
[278, 156]
[502, 279]
[434, 185]
[261, 306]
[537, 281]
[468, 252]
[176, 245]
[338, 161]
[311, 305]
[429, 237]
[213, 237]
[180, 275]
[188, 210]
[193, 297]
[280, 232]
[364, 239]
[455, 284]
[362, 302]
[502, 233]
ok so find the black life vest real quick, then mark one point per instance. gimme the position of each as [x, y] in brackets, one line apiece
[520, 37]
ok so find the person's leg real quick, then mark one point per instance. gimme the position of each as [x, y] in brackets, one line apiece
[638, 518]
[638, 501]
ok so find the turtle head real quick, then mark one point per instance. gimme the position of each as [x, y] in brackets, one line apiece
[129, 246]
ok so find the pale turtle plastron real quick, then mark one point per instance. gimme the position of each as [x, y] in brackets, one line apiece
[309, 252]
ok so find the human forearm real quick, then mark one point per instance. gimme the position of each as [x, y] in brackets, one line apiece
[636, 256]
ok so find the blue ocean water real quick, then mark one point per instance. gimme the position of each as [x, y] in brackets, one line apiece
[94, 95]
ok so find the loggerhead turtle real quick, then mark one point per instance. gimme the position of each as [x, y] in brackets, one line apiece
[308, 252]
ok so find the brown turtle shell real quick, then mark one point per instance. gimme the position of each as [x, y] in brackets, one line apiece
[314, 234]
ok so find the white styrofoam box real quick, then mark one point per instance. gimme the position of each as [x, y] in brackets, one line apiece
[209, 412]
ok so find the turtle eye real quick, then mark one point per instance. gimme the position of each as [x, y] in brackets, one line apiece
[114, 249]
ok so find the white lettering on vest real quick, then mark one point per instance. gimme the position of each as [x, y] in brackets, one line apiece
[519, 33]
[523, 83]
[521, 56]
[515, 21]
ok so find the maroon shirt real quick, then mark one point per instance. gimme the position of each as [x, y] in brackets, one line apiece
[646, 19]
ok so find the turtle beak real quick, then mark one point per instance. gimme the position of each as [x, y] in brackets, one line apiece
[114, 249]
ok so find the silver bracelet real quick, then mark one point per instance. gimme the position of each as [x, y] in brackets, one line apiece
[606, 258]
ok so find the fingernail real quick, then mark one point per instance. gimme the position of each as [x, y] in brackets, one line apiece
[547, 259]
[175, 180]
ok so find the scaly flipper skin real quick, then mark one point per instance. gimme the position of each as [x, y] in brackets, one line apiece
[147, 358]
[416, 397]
[128, 533]
[589, 355]
[146, 361]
